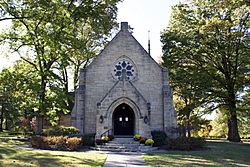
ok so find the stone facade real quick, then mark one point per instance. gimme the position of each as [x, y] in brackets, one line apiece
[123, 74]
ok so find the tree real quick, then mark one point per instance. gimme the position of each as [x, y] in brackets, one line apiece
[7, 104]
[18, 89]
[51, 32]
[191, 97]
[219, 124]
[244, 113]
[211, 39]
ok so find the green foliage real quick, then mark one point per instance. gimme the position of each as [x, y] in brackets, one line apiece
[244, 114]
[219, 125]
[18, 90]
[88, 139]
[56, 142]
[61, 131]
[137, 137]
[186, 143]
[149, 142]
[205, 130]
[159, 137]
[206, 50]
[105, 139]
[54, 37]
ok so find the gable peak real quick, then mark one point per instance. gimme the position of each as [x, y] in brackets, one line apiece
[124, 26]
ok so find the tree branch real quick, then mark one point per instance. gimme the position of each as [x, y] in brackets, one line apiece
[13, 18]
[31, 63]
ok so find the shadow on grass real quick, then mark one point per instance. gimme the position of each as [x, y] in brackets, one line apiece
[81, 160]
[38, 159]
[6, 150]
[49, 160]
[13, 155]
[217, 154]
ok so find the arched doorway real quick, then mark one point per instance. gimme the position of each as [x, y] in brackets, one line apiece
[123, 120]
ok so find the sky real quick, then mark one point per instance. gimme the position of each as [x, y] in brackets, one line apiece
[142, 15]
[149, 15]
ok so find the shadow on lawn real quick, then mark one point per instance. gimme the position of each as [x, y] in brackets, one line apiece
[217, 154]
[14, 156]
[38, 159]
[6, 150]
[82, 160]
[49, 160]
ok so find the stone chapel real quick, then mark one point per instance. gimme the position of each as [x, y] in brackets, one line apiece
[123, 91]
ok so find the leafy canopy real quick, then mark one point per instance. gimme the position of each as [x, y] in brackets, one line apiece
[53, 36]
[207, 46]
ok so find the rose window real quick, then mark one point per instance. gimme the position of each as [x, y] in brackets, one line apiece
[124, 70]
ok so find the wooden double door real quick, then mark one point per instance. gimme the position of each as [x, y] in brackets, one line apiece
[123, 121]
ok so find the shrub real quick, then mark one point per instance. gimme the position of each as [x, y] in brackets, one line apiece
[50, 140]
[149, 142]
[105, 139]
[60, 143]
[185, 143]
[73, 143]
[61, 131]
[88, 139]
[142, 140]
[38, 142]
[55, 142]
[137, 137]
[99, 142]
[159, 137]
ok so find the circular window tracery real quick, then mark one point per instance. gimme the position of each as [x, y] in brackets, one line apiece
[124, 70]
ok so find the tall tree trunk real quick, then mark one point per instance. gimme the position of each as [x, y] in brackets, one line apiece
[1, 119]
[42, 107]
[189, 132]
[233, 134]
[189, 126]
[7, 124]
[229, 129]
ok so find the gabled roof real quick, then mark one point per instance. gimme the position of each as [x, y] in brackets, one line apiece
[124, 28]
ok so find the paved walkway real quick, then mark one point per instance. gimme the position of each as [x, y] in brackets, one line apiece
[127, 159]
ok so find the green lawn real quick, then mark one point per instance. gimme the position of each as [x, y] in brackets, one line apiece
[13, 155]
[219, 153]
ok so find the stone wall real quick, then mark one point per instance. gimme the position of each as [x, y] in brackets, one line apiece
[101, 90]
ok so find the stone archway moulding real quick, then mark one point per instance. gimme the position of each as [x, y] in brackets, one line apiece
[127, 101]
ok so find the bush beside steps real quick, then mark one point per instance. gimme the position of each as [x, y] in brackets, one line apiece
[56, 143]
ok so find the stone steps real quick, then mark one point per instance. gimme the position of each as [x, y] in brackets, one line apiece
[124, 145]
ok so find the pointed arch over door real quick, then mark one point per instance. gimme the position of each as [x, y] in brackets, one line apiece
[123, 120]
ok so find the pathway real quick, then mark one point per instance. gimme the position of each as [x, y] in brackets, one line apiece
[124, 159]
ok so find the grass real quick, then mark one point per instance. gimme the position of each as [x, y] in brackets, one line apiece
[11, 154]
[219, 153]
